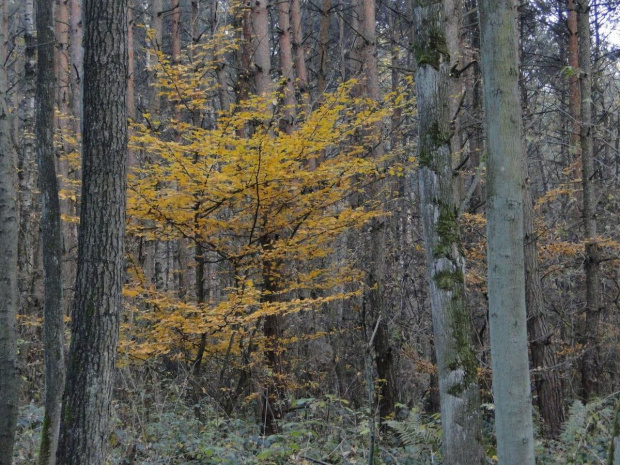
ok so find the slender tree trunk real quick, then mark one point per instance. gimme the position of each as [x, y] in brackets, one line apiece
[547, 383]
[286, 65]
[590, 363]
[51, 235]
[66, 131]
[9, 371]
[77, 58]
[100, 275]
[376, 268]
[300, 54]
[260, 45]
[175, 31]
[574, 97]
[546, 379]
[321, 84]
[456, 360]
[506, 268]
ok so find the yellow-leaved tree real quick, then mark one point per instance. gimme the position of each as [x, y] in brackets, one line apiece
[266, 206]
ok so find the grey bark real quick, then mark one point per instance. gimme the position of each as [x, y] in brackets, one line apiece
[456, 360]
[506, 269]
[27, 165]
[51, 234]
[9, 371]
[590, 362]
[100, 275]
[260, 46]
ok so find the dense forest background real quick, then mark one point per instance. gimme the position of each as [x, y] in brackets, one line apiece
[304, 274]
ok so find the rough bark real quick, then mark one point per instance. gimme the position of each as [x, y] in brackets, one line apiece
[51, 235]
[9, 371]
[456, 360]
[547, 382]
[590, 362]
[376, 270]
[100, 275]
[506, 269]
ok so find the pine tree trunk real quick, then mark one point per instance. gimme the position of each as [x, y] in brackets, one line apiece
[546, 378]
[51, 235]
[574, 97]
[456, 360]
[9, 371]
[506, 268]
[100, 274]
[590, 363]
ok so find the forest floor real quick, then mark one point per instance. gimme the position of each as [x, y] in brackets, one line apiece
[151, 431]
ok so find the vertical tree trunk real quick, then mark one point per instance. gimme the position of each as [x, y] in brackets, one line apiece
[260, 46]
[506, 281]
[51, 235]
[9, 372]
[375, 272]
[456, 360]
[547, 382]
[28, 231]
[100, 275]
[546, 379]
[574, 97]
[300, 53]
[175, 31]
[590, 363]
[321, 84]
[77, 57]
[66, 130]
[286, 64]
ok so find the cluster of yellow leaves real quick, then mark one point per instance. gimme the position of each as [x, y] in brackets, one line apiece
[243, 194]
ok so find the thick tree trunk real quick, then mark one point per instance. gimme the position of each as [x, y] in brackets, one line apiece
[51, 235]
[506, 268]
[456, 360]
[100, 275]
[590, 362]
[9, 372]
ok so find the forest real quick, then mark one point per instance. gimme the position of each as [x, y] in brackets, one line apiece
[309, 232]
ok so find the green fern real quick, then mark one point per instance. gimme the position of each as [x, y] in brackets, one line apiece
[418, 431]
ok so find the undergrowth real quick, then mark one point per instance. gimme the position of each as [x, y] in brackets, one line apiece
[314, 431]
